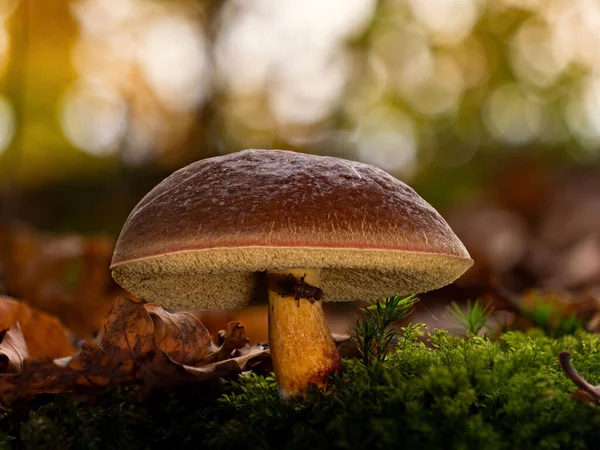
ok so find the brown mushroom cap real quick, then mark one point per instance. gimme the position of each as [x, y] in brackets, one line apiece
[204, 236]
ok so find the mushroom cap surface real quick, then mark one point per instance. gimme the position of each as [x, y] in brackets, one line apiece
[205, 235]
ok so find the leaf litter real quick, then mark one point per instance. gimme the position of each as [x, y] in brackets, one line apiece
[141, 343]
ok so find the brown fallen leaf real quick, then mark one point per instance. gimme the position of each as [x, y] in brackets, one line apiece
[255, 318]
[128, 338]
[228, 360]
[181, 336]
[37, 378]
[227, 367]
[232, 339]
[45, 336]
[144, 344]
[13, 351]
[128, 344]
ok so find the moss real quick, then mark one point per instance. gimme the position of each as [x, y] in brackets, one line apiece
[453, 393]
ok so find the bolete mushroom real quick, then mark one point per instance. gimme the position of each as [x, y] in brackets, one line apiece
[297, 229]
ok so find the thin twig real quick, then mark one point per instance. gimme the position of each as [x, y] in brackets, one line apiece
[565, 361]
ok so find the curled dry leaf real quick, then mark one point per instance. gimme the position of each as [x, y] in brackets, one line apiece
[230, 359]
[141, 343]
[13, 351]
[340, 338]
[45, 336]
[235, 365]
[181, 336]
[232, 339]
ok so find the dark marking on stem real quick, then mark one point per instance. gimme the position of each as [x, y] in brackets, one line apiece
[290, 286]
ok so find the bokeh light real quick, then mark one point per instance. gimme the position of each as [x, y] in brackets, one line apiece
[447, 21]
[152, 62]
[290, 53]
[498, 73]
[94, 118]
[174, 60]
[403, 84]
[388, 141]
[7, 124]
[514, 115]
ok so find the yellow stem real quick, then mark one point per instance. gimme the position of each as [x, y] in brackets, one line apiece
[302, 348]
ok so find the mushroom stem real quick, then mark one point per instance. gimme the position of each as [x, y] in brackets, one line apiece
[302, 348]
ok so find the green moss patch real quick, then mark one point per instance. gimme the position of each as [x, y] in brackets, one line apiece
[451, 393]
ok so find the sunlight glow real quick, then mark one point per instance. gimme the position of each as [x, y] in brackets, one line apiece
[94, 118]
[174, 60]
[387, 141]
[534, 57]
[7, 7]
[477, 72]
[293, 51]
[513, 115]
[7, 124]
[449, 21]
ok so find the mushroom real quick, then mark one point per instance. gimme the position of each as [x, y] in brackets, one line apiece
[292, 228]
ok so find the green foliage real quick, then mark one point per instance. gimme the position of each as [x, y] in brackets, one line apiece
[448, 393]
[475, 318]
[6, 437]
[6, 441]
[546, 314]
[65, 424]
[374, 331]
[410, 334]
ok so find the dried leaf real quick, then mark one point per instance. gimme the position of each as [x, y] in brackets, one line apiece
[181, 336]
[13, 351]
[340, 338]
[229, 367]
[126, 345]
[234, 338]
[45, 336]
[255, 319]
[141, 343]
[128, 334]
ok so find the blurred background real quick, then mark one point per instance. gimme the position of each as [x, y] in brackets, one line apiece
[490, 109]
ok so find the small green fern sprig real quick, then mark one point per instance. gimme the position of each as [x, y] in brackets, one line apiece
[475, 317]
[374, 333]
